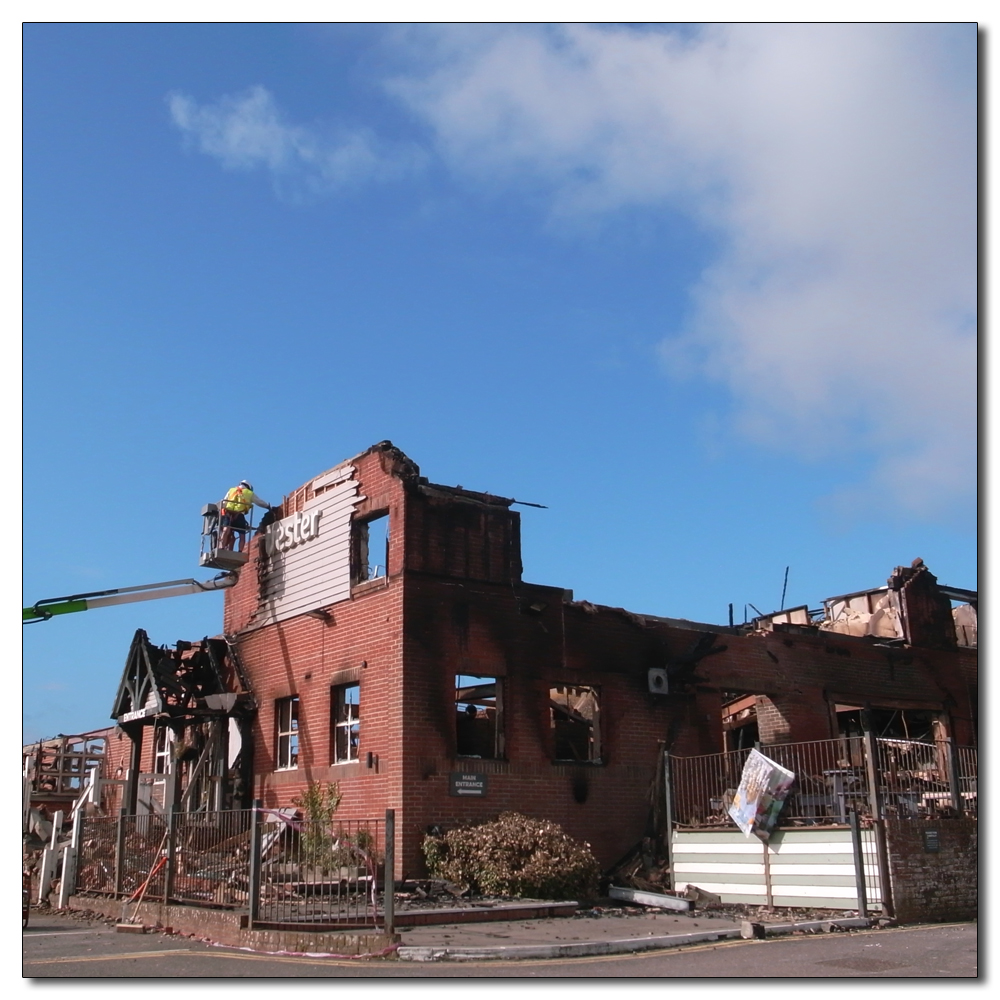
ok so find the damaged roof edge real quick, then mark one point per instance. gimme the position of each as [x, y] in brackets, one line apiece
[460, 493]
[403, 466]
[590, 608]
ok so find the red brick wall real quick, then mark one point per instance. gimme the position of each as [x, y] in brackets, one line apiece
[934, 886]
[453, 602]
[479, 629]
[803, 675]
[360, 642]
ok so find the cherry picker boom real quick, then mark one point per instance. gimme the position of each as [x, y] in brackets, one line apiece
[44, 610]
[212, 554]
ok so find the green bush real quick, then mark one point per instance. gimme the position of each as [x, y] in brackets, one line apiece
[319, 803]
[514, 855]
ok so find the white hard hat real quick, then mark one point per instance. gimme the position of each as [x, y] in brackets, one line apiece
[243, 482]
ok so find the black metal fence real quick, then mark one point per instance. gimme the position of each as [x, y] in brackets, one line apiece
[210, 856]
[702, 787]
[313, 873]
[285, 871]
[968, 778]
[96, 866]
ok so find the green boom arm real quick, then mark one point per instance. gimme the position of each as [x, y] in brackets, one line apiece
[43, 610]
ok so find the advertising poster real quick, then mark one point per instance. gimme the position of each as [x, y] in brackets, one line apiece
[763, 788]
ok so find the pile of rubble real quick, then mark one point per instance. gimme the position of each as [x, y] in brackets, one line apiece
[439, 894]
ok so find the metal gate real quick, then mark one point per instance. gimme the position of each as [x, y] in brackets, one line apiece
[318, 874]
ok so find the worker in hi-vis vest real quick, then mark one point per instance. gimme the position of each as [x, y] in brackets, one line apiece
[234, 509]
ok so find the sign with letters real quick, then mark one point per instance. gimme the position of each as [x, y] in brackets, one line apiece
[139, 713]
[307, 554]
[291, 531]
[461, 783]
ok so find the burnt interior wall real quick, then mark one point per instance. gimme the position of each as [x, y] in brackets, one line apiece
[801, 677]
[456, 535]
[925, 613]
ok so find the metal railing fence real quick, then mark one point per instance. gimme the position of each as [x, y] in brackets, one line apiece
[283, 870]
[702, 787]
[903, 778]
[209, 858]
[314, 873]
[872, 866]
[830, 779]
[96, 866]
[919, 780]
[968, 778]
[142, 855]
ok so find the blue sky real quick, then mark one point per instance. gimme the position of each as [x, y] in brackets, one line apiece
[707, 293]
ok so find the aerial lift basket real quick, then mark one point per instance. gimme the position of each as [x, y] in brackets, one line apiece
[212, 553]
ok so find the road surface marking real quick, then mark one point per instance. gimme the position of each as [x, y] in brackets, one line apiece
[35, 934]
[113, 958]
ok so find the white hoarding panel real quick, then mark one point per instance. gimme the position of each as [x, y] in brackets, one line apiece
[308, 553]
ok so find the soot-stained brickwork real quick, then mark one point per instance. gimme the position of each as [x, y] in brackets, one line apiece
[580, 729]
[934, 884]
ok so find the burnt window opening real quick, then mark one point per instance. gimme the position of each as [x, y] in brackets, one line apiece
[479, 716]
[163, 744]
[739, 721]
[286, 711]
[918, 725]
[346, 710]
[575, 719]
[370, 548]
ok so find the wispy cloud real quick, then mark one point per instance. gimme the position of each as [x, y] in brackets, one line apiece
[247, 131]
[833, 164]
[837, 165]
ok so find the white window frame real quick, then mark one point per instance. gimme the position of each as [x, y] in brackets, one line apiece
[286, 716]
[350, 724]
[163, 745]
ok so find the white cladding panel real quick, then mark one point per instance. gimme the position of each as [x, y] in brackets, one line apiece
[309, 554]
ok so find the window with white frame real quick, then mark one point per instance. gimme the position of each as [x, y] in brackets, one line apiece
[575, 717]
[163, 743]
[287, 716]
[345, 703]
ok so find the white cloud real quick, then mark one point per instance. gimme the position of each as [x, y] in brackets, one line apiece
[834, 165]
[836, 162]
[247, 131]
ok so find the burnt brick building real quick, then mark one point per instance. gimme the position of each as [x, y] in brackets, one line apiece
[381, 636]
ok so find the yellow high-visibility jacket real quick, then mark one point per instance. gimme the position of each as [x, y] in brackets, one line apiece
[238, 500]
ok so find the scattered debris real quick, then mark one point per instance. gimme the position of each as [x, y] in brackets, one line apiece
[658, 899]
[700, 897]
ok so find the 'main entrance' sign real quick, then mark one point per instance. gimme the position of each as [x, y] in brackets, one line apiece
[466, 784]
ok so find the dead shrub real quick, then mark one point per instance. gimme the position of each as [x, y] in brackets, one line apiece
[514, 855]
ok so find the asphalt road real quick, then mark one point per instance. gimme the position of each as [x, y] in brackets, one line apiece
[56, 946]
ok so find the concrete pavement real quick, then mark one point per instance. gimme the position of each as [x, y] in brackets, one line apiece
[593, 932]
